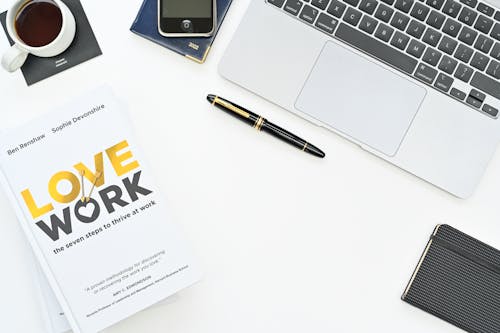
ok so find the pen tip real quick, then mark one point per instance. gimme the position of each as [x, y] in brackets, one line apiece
[211, 98]
[316, 151]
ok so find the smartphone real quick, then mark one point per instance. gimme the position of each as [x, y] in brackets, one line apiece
[187, 18]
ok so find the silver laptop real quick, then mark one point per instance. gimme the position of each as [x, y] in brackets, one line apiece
[416, 83]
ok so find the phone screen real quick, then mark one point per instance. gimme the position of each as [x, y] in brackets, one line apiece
[187, 8]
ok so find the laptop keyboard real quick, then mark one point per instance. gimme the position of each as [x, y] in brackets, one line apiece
[452, 46]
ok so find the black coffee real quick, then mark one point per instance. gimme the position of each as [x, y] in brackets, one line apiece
[38, 22]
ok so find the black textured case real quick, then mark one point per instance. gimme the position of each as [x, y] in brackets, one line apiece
[458, 280]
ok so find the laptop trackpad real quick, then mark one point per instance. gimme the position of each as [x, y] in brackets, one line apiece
[360, 99]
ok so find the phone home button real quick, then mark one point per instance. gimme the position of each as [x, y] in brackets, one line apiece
[187, 26]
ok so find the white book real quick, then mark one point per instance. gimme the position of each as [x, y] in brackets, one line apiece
[20, 310]
[55, 320]
[111, 255]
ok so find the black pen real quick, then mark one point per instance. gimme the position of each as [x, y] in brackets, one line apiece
[261, 124]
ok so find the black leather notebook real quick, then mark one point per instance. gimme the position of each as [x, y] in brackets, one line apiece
[458, 280]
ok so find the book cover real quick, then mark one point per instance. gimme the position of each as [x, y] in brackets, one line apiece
[21, 312]
[53, 314]
[197, 49]
[106, 252]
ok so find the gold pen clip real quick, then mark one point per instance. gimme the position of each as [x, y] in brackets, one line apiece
[97, 176]
[231, 107]
[82, 174]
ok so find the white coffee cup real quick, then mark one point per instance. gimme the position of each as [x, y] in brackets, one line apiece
[15, 57]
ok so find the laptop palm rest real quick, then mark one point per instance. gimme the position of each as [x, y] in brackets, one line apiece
[360, 99]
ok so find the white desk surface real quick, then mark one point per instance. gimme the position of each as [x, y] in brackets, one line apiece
[289, 243]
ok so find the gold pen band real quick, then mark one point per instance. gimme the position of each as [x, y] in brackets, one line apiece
[259, 123]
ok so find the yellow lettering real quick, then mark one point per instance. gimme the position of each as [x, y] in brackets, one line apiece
[56, 179]
[91, 176]
[117, 161]
[35, 211]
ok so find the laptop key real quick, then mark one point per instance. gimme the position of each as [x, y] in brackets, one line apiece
[326, 23]
[309, 14]
[483, 24]
[416, 29]
[451, 27]
[293, 7]
[420, 11]
[352, 16]
[415, 48]
[400, 21]
[368, 6]
[452, 8]
[477, 95]
[368, 24]
[458, 94]
[474, 102]
[494, 69]
[443, 82]
[467, 16]
[384, 13]
[464, 53]
[353, 3]
[400, 40]
[435, 19]
[470, 3]
[384, 32]
[431, 56]
[495, 53]
[490, 110]
[437, 4]
[486, 84]
[448, 64]
[277, 3]
[377, 49]
[404, 5]
[495, 33]
[467, 35]
[425, 73]
[485, 9]
[448, 45]
[479, 61]
[337, 8]
[464, 73]
[431, 37]
[497, 16]
[483, 44]
[321, 4]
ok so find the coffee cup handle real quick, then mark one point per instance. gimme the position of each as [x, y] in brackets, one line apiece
[14, 58]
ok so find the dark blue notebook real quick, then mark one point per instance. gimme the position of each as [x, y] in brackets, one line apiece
[146, 25]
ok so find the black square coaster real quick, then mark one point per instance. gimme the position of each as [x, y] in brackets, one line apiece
[83, 48]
